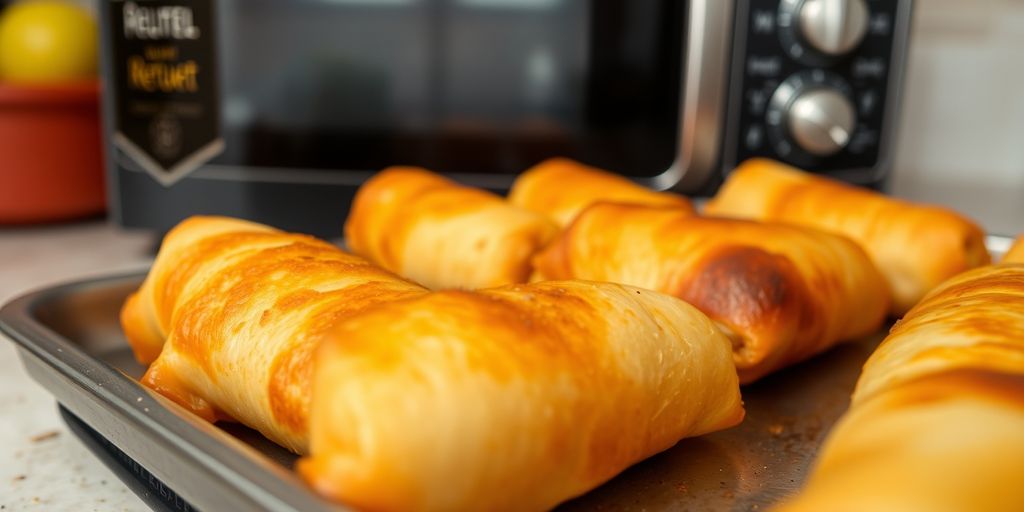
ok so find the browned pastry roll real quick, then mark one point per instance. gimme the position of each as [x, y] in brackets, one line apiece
[515, 398]
[190, 254]
[974, 321]
[937, 420]
[443, 235]
[1016, 252]
[915, 246]
[560, 188]
[245, 324]
[781, 293]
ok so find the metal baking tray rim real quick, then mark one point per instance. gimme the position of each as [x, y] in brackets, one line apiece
[220, 466]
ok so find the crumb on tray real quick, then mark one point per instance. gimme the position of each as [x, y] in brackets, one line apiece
[45, 436]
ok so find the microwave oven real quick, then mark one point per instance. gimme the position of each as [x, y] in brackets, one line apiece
[277, 110]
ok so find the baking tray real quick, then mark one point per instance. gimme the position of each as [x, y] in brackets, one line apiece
[70, 341]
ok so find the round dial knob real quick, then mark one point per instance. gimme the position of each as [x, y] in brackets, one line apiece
[833, 27]
[821, 120]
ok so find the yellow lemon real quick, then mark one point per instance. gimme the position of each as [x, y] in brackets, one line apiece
[47, 41]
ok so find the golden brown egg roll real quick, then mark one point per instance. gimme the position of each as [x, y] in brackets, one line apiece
[560, 188]
[240, 344]
[441, 234]
[782, 293]
[974, 320]
[915, 246]
[937, 421]
[1016, 252]
[191, 253]
[515, 398]
[950, 442]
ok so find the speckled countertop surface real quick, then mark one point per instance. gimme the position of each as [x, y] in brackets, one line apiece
[42, 465]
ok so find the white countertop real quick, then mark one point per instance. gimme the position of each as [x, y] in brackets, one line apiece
[43, 466]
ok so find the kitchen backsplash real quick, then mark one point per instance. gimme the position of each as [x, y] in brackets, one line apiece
[961, 137]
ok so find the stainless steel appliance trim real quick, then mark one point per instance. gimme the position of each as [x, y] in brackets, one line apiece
[704, 83]
[735, 100]
[894, 96]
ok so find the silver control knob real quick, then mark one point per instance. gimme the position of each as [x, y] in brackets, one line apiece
[821, 121]
[833, 27]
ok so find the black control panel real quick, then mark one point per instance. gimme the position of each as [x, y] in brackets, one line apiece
[811, 81]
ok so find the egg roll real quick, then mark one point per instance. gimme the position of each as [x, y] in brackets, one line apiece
[514, 398]
[937, 420]
[443, 235]
[916, 246]
[560, 189]
[974, 321]
[241, 343]
[781, 293]
[191, 252]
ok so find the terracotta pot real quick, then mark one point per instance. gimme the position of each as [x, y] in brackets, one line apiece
[51, 161]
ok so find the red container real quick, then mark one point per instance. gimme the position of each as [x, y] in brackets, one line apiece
[51, 161]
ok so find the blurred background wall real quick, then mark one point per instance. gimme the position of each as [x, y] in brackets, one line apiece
[961, 137]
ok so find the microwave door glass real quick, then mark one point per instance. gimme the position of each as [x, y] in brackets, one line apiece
[458, 86]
